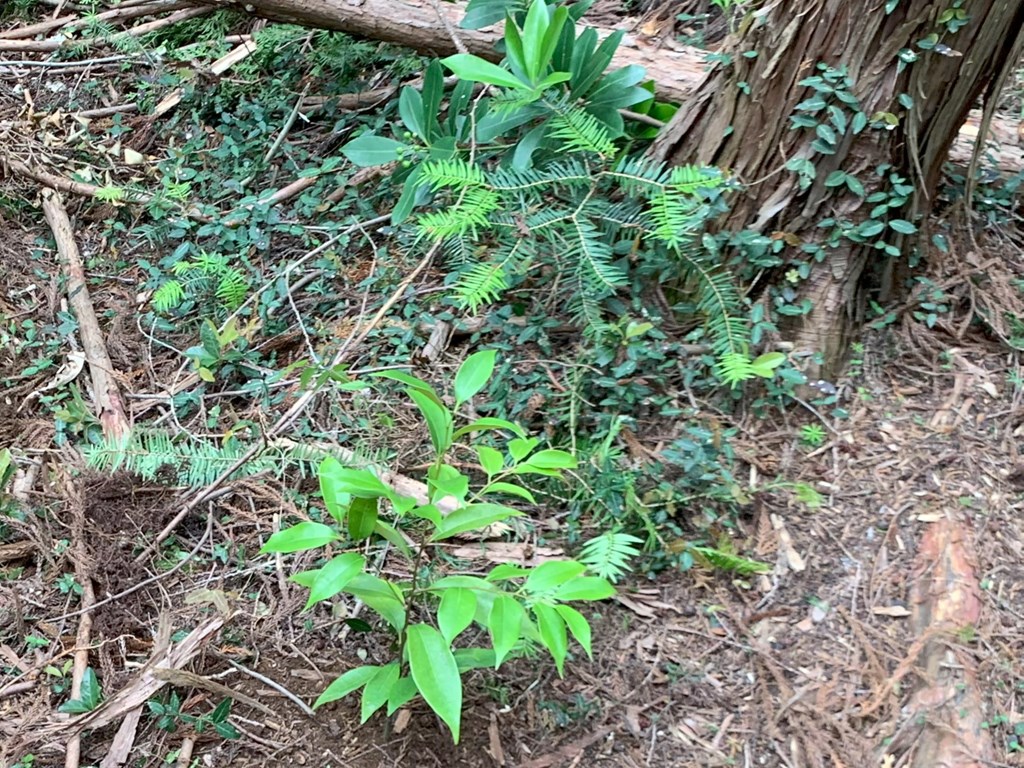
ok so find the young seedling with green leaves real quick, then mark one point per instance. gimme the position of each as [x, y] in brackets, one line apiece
[429, 612]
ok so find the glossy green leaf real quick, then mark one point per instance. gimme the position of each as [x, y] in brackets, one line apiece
[472, 517]
[336, 480]
[344, 685]
[466, 66]
[548, 576]
[402, 693]
[410, 193]
[7, 467]
[553, 459]
[432, 96]
[507, 571]
[438, 418]
[410, 381]
[512, 490]
[474, 658]
[377, 690]
[300, 537]
[89, 697]
[585, 588]
[362, 518]
[393, 536]
[522, 156]
[369, 150]
[380, 596]
[491, 461]
[552, 634]
[484, 13]
[505, 626]
[455, 612]
[518, 449]
[334, 576]
[410, 109]
[577, 624]
[461, 582]
[436, 674]
[489, 423]
[474, 374]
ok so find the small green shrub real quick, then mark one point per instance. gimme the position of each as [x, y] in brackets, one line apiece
[428, 612]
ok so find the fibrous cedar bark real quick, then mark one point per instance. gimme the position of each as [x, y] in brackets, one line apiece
[903, 59]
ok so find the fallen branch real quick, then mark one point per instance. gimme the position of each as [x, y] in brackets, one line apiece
[83, 575]
[141, 689]
[946, 598]
[113, 15]
[106, 394]
[219, 67]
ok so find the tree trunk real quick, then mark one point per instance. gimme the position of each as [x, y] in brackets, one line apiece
[740, 119]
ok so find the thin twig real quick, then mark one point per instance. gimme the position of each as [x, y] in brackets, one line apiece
[276, 686]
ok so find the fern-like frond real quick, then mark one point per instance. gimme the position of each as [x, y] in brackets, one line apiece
[482, 283]
[719, 302]
[469, 214]
[168, 296]
[594, 255]
[456, 173]
[192, 463]
[580, 131]
[727, 561]
[609, 554]
[232, 288]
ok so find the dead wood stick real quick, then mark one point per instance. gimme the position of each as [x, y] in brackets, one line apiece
[83, 574]
[115, 14]
[80, 188]
[106, 394]
[219, 67]
[141, 689]
[55, 44]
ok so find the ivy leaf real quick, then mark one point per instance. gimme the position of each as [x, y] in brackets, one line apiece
[902, 226]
